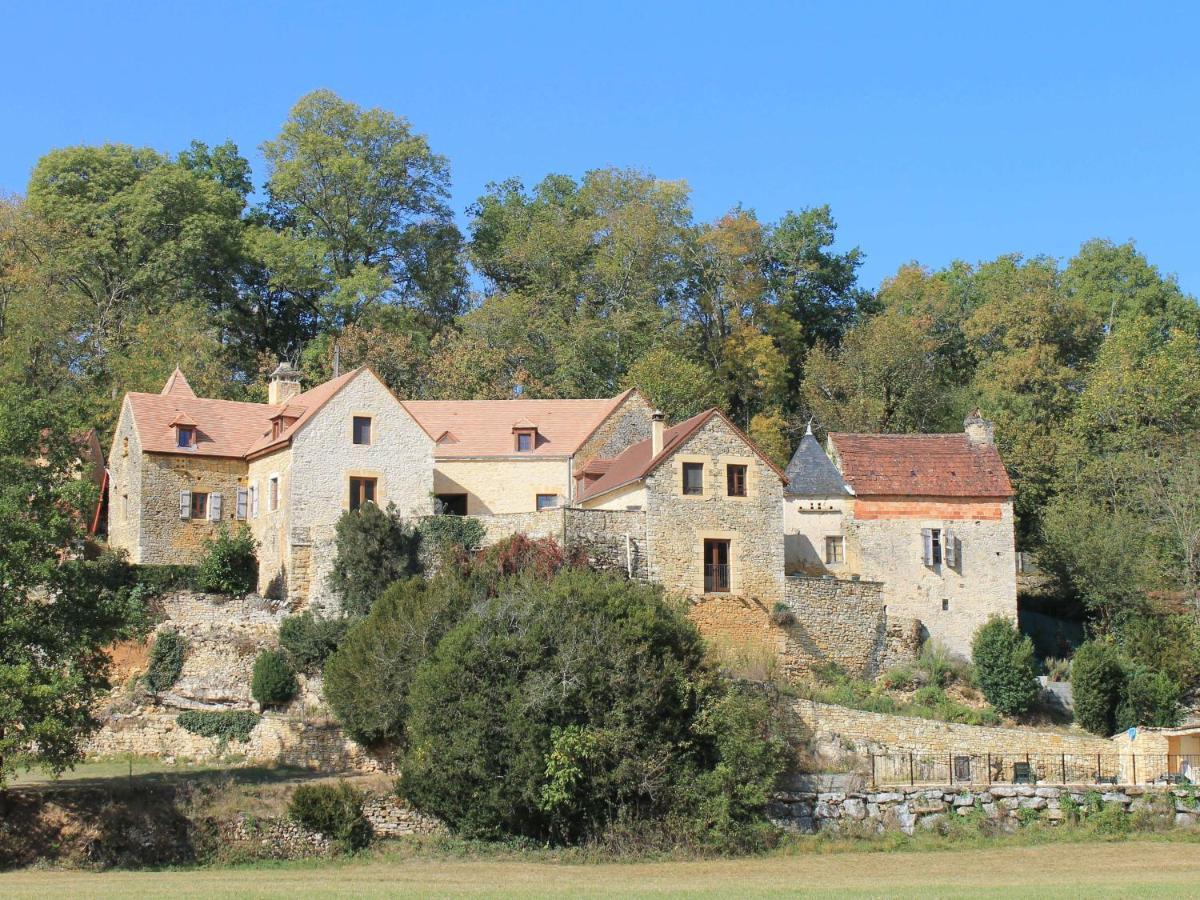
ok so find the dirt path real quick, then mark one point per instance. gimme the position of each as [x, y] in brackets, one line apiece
[1064, 870]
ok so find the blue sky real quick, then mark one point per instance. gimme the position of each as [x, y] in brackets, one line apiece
[935, 131]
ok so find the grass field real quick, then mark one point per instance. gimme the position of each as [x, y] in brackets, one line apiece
[1140, 868]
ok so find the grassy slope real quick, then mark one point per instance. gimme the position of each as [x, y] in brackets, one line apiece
[1092, 869]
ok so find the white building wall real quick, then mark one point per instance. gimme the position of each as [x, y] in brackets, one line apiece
[807, 521]
[325, 457]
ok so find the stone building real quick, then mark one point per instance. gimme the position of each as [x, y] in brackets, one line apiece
[816, 500]
[181, 466]
[512, 456]
[713, 506]
[931, 517]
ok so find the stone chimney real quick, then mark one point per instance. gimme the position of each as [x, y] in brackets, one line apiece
[656, 432]
[284, 384]
[979, 430]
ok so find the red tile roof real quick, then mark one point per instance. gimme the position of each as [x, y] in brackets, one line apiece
[920, 465]
[485, 427]
[636, 462]
[223, 427]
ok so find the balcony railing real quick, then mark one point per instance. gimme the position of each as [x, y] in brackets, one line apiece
[716, 579]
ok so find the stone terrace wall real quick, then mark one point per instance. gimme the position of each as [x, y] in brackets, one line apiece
[929, 808]
[278, 739]
[835, 621]
[880, 733]
[601, 533]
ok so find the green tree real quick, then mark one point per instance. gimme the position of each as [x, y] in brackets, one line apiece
[1149, 699]
[55, 617]
[675, 384]
[369, 676]
[1115, 281]
[1004, 667]
[357, 216]
[563, 706]
[273, 681]
[375, 547]
[1097, 681]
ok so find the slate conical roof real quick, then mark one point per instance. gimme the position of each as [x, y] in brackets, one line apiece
[811, 473]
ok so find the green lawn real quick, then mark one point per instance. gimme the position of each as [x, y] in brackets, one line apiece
[1139, 868]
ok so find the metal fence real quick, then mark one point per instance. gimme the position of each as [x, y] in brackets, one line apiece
[900, 768]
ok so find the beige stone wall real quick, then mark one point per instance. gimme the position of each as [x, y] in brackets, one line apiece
[880, 733]
[503, 485]
[166, 539]
[125, 487]
[807, 521]
[631, 495]
[324, 458]
[625, 426]
[677, 525]
[884, 544]
[271, 527]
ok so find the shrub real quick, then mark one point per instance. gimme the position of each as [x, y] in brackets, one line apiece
[374, 548]
[309, 640]
[1057, 669]
[782, 615]
[166, 661]
[562, 708]
[368, 677]
[1097, 679]
[898, 678]
[541, 557]
[1004, 667]
[223, 724]
[446, 534]
[938, 664]
[229, 565]
[334, 810]
[273, 682]
[1168, 644]
[1148, 698]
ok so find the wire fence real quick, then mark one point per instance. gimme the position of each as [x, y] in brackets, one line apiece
[914, 768]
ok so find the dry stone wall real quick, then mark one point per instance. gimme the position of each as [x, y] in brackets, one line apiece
[881, 733]
[930, 808]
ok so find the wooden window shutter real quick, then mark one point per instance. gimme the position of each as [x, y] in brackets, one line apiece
[214, 507]
[243, 502]
[185, 504]
[950, 551]
[927, 545]
[254, 501]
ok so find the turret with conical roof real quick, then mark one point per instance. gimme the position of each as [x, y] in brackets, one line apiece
[811, 473]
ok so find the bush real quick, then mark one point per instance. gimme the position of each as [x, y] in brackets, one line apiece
[446, 534]
[166, 661]
[310, 640]
[562, 708]
[1097, 679]
[368, 677]
[1004, 667]
[273, 682]
[1168, 644]
[224, 724]
[334, 810]
[1148, 698]
[229, 565]
[374, 549]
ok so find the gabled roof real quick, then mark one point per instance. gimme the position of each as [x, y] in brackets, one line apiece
[177, 386]
[637, 461]
[225, 428]
[485, 427]
[306, 405]
[920, 465]
[811, 473]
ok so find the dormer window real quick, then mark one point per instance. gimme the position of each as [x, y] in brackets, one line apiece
[185, 431]
[525, 436]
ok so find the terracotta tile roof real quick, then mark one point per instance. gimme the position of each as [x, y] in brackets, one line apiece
[306, 406]
[177, 385]
[920, 465]
[636, 462]
[485, 427]
[223, 427]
